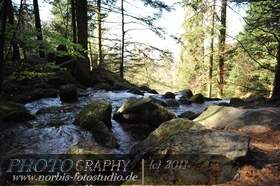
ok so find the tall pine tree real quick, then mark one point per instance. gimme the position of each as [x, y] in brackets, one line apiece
[261, 37]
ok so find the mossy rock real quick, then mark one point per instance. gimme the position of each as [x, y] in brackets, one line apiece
[198, 98]
[104, 136]
[144, 110]
[14, 112]
[94, 112]
[102, 86]
[9, 106]
[164, 132]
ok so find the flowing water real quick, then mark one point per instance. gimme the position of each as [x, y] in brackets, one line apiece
[53, 131]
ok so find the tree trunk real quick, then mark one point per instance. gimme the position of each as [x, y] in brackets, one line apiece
[99, 25]
[16, 54]
[74, 25]
[222, 43]
[2, 40]
[211, 58]
[83, 65]
[276, 88]
[38, 28]
[122, 47]
[82, 25]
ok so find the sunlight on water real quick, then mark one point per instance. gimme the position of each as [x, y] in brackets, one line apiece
[53, 131]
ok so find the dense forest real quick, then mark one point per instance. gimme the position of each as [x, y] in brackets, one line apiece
[212, 62]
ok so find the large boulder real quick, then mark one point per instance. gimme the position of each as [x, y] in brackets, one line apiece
[237, 118]
[226, 146]
[187, 153]
[143, 110]
[164, 132]
[96, 118]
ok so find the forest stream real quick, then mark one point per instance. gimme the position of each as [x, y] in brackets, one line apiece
[53, 131]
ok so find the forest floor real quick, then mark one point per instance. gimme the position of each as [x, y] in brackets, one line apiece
[263, 167]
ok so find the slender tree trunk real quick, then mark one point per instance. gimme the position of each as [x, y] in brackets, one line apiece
[74, 25]
[276, 88]
[99, 25]
[66, 34]
[2, 40]
[38, 28]
[222, 43]
[122, 47]
[211, 58]
[16, 54]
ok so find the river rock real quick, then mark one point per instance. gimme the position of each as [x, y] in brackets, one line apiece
[227, 146]
[143, 110]
[172, 103]
[104, 136]
[257, 120]
[186, 93]
[94, 112]
[237, 102]
[96, 118]
[121, 86]
[163, 133]
[152, 91]
[170, 95]
[184, 100]
[68, 93]
[102, 86]
[198, 98]
[144, 88]
[209, 156]
[13, 112]
[50, 92]
[18, 116]
[135, 90]
[158, 101]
